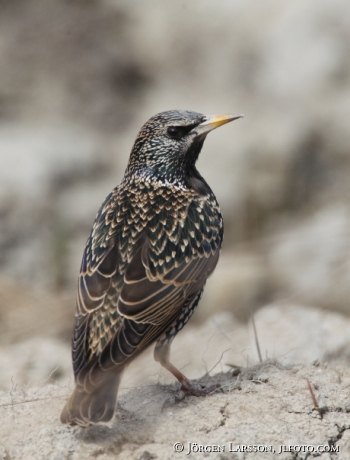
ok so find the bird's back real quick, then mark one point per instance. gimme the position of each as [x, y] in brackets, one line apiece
[179, 225]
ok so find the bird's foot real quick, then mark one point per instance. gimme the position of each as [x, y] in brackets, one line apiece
[198, 390]
[189, 389]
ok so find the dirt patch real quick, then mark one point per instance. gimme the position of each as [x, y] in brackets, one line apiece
[264, 405]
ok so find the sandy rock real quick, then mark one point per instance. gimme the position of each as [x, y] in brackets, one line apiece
[270, 406]
[260, 404]
[34, 361]
[310, 260]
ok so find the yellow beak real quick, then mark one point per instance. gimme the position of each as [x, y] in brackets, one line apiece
[214, 121]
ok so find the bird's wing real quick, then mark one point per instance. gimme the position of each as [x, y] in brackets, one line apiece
[99, 276]
[92, 297]
[137, 298]
[148, 304]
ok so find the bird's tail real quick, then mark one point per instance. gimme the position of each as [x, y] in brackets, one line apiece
[94, 402]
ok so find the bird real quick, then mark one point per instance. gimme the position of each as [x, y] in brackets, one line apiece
[155, 241]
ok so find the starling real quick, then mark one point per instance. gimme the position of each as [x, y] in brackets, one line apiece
[154, 242]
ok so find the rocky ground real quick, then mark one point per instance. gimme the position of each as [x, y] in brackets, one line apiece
[265, 405]
[258, 404]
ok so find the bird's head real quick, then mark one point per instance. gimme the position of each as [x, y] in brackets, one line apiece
[167, 147]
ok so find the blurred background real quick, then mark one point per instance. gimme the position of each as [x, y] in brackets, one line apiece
[78, 78]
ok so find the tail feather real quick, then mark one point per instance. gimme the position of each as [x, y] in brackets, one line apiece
[94, 405]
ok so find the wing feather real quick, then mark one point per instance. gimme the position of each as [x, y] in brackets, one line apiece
[130, 294]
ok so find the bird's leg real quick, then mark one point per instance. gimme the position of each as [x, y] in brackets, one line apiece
[161, 355]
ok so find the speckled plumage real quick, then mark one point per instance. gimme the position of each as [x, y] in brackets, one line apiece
[155, 241]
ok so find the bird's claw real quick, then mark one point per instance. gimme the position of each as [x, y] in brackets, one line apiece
[196, 390]
[169, 402]
[193, 390]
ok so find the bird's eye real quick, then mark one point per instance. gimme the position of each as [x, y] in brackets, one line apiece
[175, 132]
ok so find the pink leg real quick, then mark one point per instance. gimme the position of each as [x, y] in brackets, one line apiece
[161, 354]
